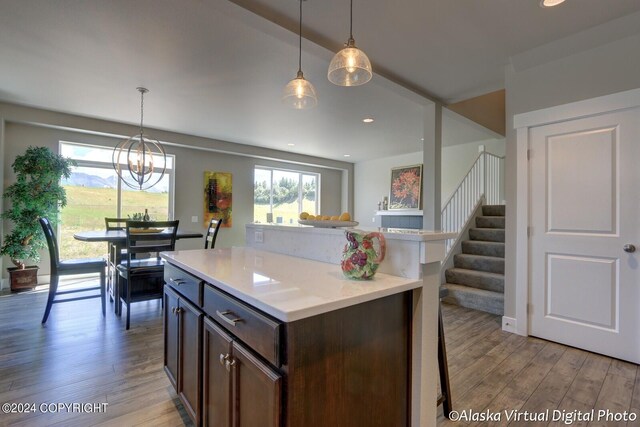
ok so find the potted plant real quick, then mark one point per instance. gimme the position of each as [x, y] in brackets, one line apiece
[36, 193]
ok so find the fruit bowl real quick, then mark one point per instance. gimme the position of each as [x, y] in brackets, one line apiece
[327, 223]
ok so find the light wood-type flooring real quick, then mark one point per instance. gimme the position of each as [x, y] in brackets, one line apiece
[81, 357]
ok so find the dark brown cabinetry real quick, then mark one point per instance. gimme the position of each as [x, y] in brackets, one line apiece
[183, 347]
[235, 366]
[239, 389]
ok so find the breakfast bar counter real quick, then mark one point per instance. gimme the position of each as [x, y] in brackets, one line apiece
[284, 287]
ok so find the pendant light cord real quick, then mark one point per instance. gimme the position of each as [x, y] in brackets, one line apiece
[300, 40]
[351, 21]
[141, 112]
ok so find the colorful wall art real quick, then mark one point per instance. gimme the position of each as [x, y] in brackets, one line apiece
[406, 187]
[218, 197]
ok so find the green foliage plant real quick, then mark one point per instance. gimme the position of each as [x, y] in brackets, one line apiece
[36, 193]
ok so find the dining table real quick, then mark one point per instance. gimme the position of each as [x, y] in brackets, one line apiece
[118, 239]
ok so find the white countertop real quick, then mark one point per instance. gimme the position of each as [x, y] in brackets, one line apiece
[288, 288]
[389, 233]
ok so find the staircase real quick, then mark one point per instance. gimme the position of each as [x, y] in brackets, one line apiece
[477, 279]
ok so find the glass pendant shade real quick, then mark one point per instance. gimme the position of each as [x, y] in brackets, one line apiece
[350, 67]
[299, 93]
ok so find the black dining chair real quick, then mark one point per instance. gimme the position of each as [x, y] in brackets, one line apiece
[113, 257]
[70, 267]
[212, 233]
[142, 279]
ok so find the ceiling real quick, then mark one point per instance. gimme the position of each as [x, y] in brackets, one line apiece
[216, 69]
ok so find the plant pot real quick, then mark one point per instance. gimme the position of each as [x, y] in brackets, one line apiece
[23, 279]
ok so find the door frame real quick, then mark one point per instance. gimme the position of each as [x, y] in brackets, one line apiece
[522, 123]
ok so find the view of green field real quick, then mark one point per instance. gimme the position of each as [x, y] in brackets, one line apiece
[87, 208]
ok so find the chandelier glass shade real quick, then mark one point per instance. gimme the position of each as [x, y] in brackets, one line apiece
[299, 93]
[140, 161]
[350, 66]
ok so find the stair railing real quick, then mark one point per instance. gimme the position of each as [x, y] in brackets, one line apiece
[484, 180]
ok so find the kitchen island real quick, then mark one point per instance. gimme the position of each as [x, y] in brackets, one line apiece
[414, 254]
[256, 338]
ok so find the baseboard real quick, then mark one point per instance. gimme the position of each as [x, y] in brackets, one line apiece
[509, 324]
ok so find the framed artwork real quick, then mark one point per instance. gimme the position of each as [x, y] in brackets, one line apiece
[218, 198]
[406, 187]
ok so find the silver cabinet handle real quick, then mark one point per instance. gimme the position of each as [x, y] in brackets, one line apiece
[223, 316]
[223, 358]
[177, 281]
[229, 363]
[629, 248]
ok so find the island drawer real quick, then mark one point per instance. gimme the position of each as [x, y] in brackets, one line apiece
[261, 333]
[184, 283]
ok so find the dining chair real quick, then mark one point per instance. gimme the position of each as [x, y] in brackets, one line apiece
[113, 258]
[142, 279]
[212, 233]
[69, 267]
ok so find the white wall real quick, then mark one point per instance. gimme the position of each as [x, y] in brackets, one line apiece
[458, 159]
[602, 70]
[372, 182]
[25, 126]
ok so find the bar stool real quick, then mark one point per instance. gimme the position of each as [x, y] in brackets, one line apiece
[445, 386]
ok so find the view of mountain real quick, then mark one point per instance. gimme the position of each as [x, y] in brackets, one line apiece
[86, 180]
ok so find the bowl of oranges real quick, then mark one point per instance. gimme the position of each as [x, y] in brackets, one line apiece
[327, 221]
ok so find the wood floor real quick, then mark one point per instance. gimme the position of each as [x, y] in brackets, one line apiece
[81, 357]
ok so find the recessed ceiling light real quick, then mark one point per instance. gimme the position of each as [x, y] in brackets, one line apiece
[368, 120]
[421, 139]
[291, 144]
[347, 155]
[550, 3]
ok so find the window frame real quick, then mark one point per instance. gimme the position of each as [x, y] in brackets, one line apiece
[170, 173]
[300, 173]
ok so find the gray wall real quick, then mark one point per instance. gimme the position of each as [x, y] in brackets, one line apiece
[26, 126]
[458, 159]
[372, 183]
[603, 70]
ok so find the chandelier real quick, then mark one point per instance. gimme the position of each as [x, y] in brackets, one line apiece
[140, 161]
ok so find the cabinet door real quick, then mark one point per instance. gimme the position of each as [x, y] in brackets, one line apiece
[189, 361]
[171, 332]
[256, 390]
[216, 392]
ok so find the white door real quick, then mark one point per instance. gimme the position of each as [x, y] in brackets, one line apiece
[585, 198]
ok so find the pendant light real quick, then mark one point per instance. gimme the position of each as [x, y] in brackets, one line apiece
[350, 66]
[140, 161]
[299, 93]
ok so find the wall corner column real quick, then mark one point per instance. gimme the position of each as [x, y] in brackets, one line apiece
[431, 171]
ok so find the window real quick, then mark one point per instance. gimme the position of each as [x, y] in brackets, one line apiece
[94, 192]
[284, 194]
